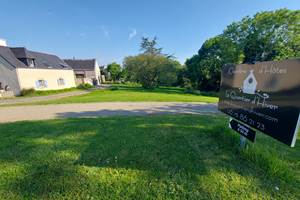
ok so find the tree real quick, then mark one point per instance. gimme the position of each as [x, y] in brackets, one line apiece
[273, 35]
[168, 72]
[148, 46]
[204, 69]
[151, 71]
[151, 68]
[115, 71]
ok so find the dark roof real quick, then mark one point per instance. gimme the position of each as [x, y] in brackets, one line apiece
[88, 64]
[21, 52]
[9, 56]
[42, 60]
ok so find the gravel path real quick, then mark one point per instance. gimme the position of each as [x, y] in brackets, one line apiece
[40, 98]
[43, 112]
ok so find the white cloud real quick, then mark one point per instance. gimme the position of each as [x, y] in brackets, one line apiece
[132, 34]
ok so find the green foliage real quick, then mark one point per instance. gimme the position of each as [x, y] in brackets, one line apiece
[204, 69]
[27, 92]
[115, 71]
[151, 68]
[33, 92]
[85, 86]
[272, 35]
[114, 88]
[148, 46]
[168, 72]
[151, 71]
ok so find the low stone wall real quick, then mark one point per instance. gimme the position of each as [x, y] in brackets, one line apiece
[6, 94]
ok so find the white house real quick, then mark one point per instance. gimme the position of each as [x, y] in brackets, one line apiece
[24, 69]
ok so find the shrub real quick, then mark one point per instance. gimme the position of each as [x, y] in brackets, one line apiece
[84, 86]
[27, 92]
[187, 85]
[114, 88]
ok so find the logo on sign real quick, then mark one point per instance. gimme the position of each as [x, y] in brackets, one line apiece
[250, 83]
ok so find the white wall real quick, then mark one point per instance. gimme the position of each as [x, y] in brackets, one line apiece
[28, 77]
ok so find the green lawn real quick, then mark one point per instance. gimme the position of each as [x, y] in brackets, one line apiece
[37, 93]
[124, 93]
[151, 157]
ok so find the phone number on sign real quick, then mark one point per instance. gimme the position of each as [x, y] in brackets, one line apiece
[246, 119]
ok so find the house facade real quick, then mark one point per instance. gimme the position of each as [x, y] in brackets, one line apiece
[24, 69]
[86, 71]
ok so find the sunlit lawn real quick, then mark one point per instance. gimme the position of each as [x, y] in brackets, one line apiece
[138, 94]
[151, 157]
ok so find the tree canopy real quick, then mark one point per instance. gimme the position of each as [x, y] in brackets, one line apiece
[151, 68]
[272, 35]
[115, 71]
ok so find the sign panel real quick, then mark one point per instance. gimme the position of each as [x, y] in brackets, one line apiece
[265, 96]
[242, 129]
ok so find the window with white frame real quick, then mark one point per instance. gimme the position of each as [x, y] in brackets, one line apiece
[61, 82]
[41, 84]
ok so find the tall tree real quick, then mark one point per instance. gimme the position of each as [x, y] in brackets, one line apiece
[272, 35]
[115, 70]
[204, 69]
[149, 46]
[151, 68]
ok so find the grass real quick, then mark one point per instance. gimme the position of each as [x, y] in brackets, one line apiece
[123, 93]
[35, 93]
[151, 157]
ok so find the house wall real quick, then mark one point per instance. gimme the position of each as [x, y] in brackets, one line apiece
[28, 78]
[89, 75]
[8, 76]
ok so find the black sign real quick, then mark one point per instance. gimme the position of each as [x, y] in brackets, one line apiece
[265, 96]
[243, 130]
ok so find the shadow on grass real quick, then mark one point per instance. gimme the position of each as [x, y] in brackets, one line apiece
[167, 109]
[165, 148]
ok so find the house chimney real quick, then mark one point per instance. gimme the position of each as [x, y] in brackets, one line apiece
[3, 42]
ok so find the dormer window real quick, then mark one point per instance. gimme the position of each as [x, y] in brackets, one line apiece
[31, 63]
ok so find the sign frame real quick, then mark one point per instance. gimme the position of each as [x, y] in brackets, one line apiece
[264, 96]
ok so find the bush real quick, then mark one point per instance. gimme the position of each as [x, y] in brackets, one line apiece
[187, 85]
[27, 92]
[151, 70]
[84, 86]
[114, 88]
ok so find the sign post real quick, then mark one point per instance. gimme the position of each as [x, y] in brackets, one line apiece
[245, 131]
[243, 141]
[264, 96]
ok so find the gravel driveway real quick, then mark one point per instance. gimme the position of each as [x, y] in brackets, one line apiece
[43, 112]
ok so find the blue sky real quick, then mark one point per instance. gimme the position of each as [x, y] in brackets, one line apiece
[110, 30]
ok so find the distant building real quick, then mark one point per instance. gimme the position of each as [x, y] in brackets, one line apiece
[86, 71]
[21, 68]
